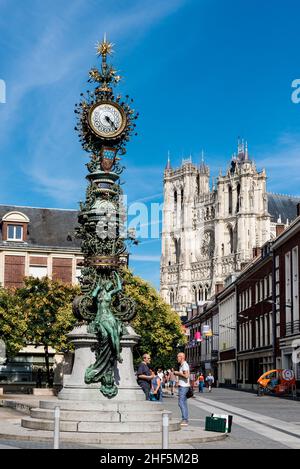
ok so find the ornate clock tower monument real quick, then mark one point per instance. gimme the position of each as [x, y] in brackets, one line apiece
[101, 400]
[105, 124]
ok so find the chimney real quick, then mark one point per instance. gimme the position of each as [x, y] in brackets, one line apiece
[280, 228]
[256, 252]
[219, 288]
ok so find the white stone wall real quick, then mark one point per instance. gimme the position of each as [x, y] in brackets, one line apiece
[227, 318]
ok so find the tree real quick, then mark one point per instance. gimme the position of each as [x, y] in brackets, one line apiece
[156, 322]
[48, 306]
[13, 322]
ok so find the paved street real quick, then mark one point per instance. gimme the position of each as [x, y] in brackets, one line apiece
[259, 422]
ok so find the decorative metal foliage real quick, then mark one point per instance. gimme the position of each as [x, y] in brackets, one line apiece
[102, 304]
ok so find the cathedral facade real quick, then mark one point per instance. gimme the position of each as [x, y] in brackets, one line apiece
[210, 233]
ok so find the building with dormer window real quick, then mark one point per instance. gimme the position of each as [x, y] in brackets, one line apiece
[38, 242]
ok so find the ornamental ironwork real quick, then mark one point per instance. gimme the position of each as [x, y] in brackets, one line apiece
[105, 125]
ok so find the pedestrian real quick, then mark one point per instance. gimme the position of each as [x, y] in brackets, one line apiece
[210, 381]
[167, 379]
[172, 380]
[201, 382]
[192, 380]
[161, 375]
[183, 387]
[39, 378]
[145, 375]
[156, 391]
[51, 378]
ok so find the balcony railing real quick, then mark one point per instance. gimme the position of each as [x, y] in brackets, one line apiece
[292, 328]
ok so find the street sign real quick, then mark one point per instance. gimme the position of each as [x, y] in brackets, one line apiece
[206, 330]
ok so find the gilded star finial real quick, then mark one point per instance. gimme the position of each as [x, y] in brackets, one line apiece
[105, 47]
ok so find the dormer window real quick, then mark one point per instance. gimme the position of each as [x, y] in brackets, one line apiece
[15, 233]
[14, 227]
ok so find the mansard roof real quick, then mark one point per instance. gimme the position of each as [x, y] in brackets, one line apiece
[282, 206]
[47, 227]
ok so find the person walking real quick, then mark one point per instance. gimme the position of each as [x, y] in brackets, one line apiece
[161, 375]
[145, 375]
[156, 391]
[172, 380]
[210, 381]
[39, 378]
[183, 387]
[167, 380]
[201, 382]
[192, 380]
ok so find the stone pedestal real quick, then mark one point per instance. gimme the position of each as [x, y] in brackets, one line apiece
[74, 386]
[125, 377]
[86, 412]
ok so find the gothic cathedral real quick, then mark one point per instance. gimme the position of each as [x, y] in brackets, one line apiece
[210, 234]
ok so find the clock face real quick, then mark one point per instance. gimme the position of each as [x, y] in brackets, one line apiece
[107, 120]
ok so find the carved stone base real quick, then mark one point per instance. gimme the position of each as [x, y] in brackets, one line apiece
[74, 386]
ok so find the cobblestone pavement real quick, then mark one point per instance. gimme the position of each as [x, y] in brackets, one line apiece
[259, 423]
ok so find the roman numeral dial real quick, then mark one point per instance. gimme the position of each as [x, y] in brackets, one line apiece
[107, 120]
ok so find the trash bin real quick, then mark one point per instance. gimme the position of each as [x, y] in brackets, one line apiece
[215, 424]
[219, 423]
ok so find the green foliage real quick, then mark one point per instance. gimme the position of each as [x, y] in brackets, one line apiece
[13, 322]
[156, 322]
[47, 304]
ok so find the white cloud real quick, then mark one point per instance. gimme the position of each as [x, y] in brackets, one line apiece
[282, 163]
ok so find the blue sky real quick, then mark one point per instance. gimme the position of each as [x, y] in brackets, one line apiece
[202, 73]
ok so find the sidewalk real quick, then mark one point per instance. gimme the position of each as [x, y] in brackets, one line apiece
[15, 406]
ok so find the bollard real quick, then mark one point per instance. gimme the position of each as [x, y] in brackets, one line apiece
[165, 430]
[56, 427]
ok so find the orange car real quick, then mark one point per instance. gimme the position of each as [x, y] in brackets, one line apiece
[277, 382]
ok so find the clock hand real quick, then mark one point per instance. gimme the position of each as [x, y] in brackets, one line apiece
[108, 119]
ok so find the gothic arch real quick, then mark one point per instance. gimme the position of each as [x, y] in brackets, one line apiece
[177, 249]
[200, 293]
[206, 292]
[230, 240]
[194, 293]
[238, 190]
[208, 244]
[172, 297]
[230, 200]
